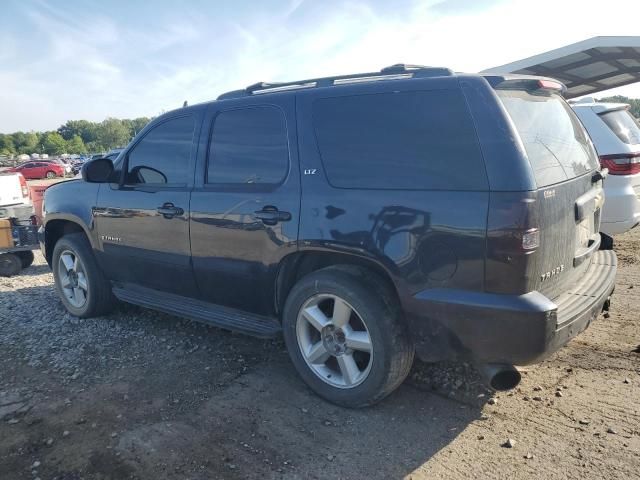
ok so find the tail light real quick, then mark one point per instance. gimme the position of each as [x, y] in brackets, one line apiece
[622, 164]
[24, 186]
[513, 238]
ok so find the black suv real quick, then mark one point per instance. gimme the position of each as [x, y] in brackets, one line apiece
[366, 217]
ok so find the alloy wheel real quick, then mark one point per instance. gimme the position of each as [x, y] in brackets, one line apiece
[73, 278]
[334, 341]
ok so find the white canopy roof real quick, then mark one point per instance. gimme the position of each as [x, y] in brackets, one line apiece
[587, 67]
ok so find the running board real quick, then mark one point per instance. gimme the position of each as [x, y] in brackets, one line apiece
[210, 313]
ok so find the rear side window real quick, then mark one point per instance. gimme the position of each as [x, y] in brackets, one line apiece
[623, 125]
[423, 140]
[553, 137]
[248, 146]
[162, 156]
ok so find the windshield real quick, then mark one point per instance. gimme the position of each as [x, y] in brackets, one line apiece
[554, 139]
[623, 125]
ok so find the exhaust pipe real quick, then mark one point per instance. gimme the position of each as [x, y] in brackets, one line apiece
[499, 376]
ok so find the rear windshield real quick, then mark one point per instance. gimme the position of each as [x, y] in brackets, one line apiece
[553, 137]
[623, 125]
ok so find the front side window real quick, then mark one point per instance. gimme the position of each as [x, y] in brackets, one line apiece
[248, 146]
[162, 156]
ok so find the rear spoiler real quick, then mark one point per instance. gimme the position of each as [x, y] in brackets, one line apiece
[528, 83]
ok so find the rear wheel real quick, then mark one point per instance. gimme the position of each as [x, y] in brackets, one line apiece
[51, 174]
[84, 290]
[10, 264]
[26, 258]
[343, 331]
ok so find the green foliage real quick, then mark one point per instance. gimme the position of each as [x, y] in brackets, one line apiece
[6, 144]
[633, 102]
[113, 133]
[76, 145]
[54, 144]
[75, 136]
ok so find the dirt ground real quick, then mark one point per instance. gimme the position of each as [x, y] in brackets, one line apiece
[142, 395]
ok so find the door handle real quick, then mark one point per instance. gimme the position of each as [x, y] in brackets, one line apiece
[169, 210]
[271, 215]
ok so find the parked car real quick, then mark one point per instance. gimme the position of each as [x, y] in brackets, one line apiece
[616, 136]
[39, 169]
[365, 217]
[17, 231]
[66, 164]
[15, 198]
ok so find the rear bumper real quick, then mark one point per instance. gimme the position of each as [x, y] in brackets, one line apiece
[615, 228]
[512, 329]
[621, 210]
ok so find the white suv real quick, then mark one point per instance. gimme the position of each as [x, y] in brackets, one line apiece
[616, 136]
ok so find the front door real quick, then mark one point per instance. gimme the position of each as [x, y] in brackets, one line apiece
[245, 204]
[143, 222]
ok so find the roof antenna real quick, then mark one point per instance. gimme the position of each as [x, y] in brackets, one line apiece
[184, 104]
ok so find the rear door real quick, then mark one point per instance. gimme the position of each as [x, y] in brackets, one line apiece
[246, 202]
[143, 222]
[569, 196]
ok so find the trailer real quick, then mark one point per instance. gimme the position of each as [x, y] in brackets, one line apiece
[18, 239]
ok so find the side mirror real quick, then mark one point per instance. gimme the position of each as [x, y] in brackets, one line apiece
[99, 170]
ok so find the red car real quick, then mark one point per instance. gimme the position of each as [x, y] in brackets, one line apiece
[37, 169]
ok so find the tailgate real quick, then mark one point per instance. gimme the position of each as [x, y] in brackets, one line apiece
[569, 234]
[569, 196]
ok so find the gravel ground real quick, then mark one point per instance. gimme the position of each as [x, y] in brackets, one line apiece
[143, 395]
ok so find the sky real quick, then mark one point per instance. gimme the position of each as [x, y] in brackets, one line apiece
[85, 59]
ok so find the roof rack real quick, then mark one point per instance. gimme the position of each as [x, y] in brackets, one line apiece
[393, 72]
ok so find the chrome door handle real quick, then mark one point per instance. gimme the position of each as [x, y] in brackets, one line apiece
[169, 210]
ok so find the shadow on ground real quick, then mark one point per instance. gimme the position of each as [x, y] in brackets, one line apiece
[157, 397]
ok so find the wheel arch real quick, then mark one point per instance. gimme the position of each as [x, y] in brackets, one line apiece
[299, 264]
[56, 228]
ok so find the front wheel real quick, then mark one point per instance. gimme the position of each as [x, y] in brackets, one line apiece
[51, 174]
[343, 330]
[84, 290]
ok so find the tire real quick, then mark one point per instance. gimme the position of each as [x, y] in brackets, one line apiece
[10, 264]
[83, 288]
[51, 174]
[26, 258]
[374, 310]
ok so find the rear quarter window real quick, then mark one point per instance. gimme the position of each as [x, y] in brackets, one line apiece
[419, 140]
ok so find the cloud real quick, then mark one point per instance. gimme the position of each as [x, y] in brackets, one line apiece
[454, 7]
[93, 60]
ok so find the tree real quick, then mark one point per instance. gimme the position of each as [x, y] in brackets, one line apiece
[6, 145]
[76, 145]
[134, 126]
[88, 131]
[54, 144]
[26, 142]
[112, 133]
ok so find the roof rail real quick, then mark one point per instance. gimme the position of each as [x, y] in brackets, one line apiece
[392, 72]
